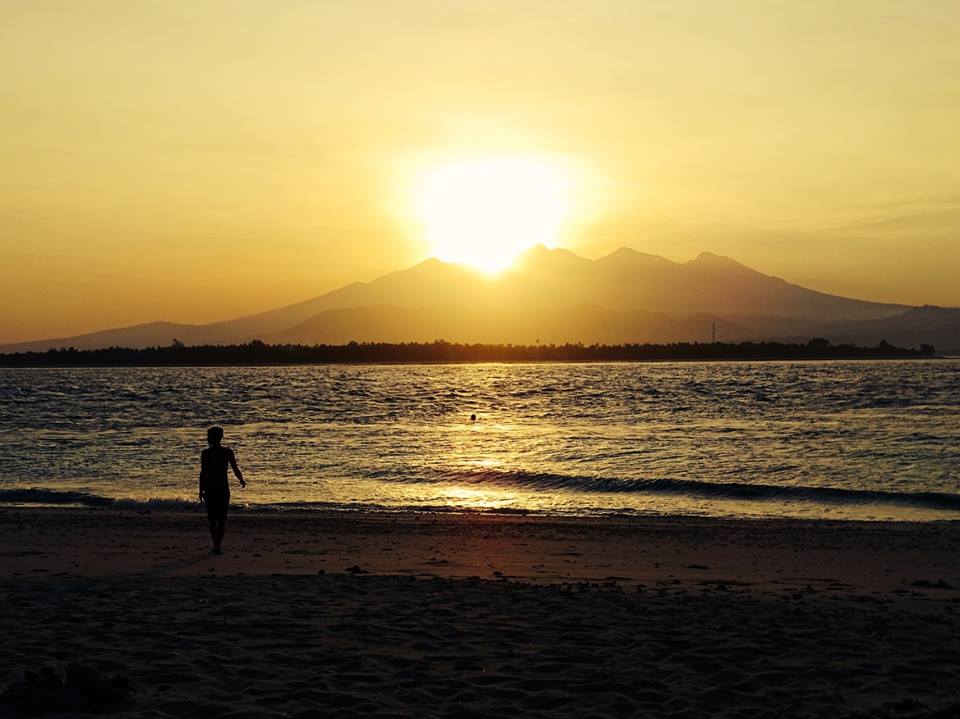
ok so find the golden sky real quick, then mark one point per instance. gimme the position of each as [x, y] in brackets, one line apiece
[200, 160]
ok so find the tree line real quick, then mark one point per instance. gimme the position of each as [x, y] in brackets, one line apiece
[260, 353]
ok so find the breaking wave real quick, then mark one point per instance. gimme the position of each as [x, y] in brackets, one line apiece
[532, 482]
[54, 497]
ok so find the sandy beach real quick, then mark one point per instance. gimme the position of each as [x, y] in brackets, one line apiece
[468, 615]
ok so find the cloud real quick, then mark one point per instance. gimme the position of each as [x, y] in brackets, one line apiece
[927, 216]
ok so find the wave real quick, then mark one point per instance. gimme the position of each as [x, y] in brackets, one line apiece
[531, 481]
[698, 489]
[70, 498]
[35, 495]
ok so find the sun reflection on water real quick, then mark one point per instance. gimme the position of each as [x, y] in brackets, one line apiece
[578, 439]
[472, 498]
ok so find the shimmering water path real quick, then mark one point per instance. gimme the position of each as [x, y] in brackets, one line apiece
[815, 439]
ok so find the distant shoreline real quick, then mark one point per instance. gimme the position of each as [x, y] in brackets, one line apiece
[259, 354]
[428, 363]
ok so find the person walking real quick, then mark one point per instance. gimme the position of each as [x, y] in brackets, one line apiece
[214, 485]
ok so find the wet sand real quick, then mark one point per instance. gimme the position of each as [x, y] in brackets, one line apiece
[349, 614]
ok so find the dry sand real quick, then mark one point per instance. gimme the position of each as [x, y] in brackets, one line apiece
[485, 615]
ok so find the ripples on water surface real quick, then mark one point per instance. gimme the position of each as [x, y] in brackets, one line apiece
[820, 439]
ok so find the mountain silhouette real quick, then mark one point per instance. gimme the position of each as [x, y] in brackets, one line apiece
[558, 296]
[938, 326]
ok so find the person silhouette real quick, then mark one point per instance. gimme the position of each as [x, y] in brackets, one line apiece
[214, 486]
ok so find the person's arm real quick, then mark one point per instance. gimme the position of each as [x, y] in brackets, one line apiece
[202, 473]
[236, 469]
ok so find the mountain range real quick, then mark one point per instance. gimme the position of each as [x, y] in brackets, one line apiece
[554, 296]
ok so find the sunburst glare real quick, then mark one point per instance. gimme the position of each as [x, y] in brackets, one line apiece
[486, 211]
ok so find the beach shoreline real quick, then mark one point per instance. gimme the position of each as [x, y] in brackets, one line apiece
[866, 555]
[311, 614]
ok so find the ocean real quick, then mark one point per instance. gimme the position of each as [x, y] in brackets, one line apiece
[842, 440]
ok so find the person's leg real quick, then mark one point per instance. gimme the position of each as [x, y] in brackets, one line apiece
[222, 526]
[221, 530]
[213, 532]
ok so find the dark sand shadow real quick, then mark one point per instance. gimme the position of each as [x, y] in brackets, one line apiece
[171, 567]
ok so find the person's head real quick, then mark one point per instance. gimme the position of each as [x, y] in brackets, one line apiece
[215, 436]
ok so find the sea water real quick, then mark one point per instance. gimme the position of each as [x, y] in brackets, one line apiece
[855, 440]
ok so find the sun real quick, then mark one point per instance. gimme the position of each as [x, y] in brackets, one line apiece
[486, 211]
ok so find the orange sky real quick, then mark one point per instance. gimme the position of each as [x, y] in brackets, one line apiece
[198, 161]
